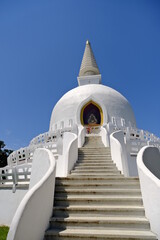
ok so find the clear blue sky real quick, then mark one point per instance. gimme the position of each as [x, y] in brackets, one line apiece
[41, 48]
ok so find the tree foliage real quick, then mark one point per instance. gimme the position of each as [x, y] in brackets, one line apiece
[4, 153]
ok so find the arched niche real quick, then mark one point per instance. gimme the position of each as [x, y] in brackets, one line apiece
[91, 114]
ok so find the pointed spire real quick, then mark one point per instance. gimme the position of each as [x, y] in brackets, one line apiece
[88, 65]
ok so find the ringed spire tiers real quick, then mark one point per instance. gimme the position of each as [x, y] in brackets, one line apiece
[88, 65]
[89, 72]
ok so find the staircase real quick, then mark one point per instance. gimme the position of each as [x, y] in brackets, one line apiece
[96, 201]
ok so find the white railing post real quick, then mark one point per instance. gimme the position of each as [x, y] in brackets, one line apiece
[14, 172]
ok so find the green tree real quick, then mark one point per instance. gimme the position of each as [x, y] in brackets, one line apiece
[4, 153]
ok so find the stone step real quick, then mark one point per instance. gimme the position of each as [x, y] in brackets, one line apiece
[100, 162]
[91, 156]
[92, 167]
[93, 151]
[94, 143]
[85, 156]
[97, 200]
[98, 159]
[98, 211]
[94, 161]
[97, 185]
[99, 150]
[98, 174]
[93, 146]
[112, 222]
[90, 171]
[94, 157]
[108, 192]
[91, 142]
[99, 180]
[93, 234]
[91, 139]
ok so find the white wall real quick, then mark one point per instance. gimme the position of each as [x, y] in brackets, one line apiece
[118, 151]
[132, 165]
[148, 161]
[32, 216]
[9, 203]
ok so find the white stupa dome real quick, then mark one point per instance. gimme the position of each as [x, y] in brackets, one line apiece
[108, 101]
[113, 104]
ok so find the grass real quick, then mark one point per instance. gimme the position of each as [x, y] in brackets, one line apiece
[3, 232]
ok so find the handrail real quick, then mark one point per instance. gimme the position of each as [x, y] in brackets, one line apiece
[15, 175]
[35, 209]
[148, 161]
[48, 140]
[118, 152]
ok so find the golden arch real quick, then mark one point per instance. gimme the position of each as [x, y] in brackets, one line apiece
[91, 107]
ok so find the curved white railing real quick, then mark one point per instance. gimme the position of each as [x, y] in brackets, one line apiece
[148, 161]
[72, 153]
[22, 158]
[50, 140]
[105, 136]
[46, 137]
[118, 152]
[25, 155]
[131, 132]
[69, 156]
[134, 140]
[32, 216]
[81, 136]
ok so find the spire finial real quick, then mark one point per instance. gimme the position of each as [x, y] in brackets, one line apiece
[88, 65]
[87, 42]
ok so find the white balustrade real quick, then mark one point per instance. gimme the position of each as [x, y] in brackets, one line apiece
[134, 138]
[15, 175]
[21, 156]
[47, 140]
